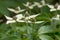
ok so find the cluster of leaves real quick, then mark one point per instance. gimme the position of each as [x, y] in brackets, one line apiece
[47, 30]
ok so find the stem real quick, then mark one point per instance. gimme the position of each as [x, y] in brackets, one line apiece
[54, 22]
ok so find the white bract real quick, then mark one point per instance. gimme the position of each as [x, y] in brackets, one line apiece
[19, 16]
[32, 16]
[18, 20]
[32, 6]
[58, 8]
[29, 6]
[39, 22]
[26, 13]
[9, 20]
[43, 2]
[57, 17]
[16, 11]
[52, 8]
[38, 4]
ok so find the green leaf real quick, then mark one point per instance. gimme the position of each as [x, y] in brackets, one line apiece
[58, 37]
[45, 9]
[5, 4]
[46, 29]
[45, 37]
[3, 28]
[48, 1]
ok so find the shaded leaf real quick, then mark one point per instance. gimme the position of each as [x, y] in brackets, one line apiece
[46, 29]
[45, 37]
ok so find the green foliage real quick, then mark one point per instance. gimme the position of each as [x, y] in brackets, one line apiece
[49, 29]
[45, 37]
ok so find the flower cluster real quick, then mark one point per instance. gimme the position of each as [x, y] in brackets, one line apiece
[20, 17]
[23, 18]
[38, 4]
[41, 4]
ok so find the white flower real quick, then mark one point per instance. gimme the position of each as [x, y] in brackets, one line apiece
[58, 8]
[37, 4]
[32, 6]
[9, 20]
[57, 17]
[29, 6]
[26, 13]
[16, 11]
[19, 16]
[52, 8]
[43, 2]
[32, 16]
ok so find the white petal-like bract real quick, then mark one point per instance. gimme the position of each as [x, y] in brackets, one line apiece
[53, 9]
[50, 6]
[39, 22]
[58, 8]
[38, 4]
[27, 4]
[20, 20]
[10, 21]
[57, 17]
[32, 16]
[19, 16]
[8, 18]
[43, 2]
[12, 10]
[16, 11]
[31, 6]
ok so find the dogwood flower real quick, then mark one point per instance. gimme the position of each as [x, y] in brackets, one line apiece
[16, 11]
[19, 19]
[11, 20]
[19, 16]
[38, 4]
[29, 6]
[52, 8]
